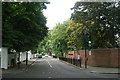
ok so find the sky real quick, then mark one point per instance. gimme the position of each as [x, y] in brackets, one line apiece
[58, 11]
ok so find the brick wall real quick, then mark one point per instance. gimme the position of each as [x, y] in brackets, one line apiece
[98, 57]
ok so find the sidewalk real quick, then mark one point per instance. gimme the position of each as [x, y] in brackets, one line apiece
[23, 67]
[99, 70]
[103, 70]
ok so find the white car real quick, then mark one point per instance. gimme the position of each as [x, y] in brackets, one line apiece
[46, 55]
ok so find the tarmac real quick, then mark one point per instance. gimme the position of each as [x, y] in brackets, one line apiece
[91, 69]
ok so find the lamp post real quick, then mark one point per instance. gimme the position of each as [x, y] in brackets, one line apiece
[74, 48]
[85, 57]
[85, 46]
[26, 57]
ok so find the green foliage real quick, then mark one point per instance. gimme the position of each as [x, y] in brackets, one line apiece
[23, 25]
[74, 32]
[56, 41]
[96, 22]
[100, 20]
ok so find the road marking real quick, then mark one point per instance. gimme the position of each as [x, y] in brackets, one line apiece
[49, 64]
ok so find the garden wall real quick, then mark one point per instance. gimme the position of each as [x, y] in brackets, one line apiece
[98, 57]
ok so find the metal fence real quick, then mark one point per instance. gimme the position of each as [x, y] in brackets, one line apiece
[75, 62]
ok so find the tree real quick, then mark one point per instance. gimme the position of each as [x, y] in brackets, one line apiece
[100, 20]
[60, 38]
[75, 37]
[23, 25]
[56, 40]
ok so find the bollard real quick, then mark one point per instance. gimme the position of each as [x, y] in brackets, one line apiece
[80, 62]
[73, 61]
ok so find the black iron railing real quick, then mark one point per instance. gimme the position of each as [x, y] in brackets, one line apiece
[75, 62]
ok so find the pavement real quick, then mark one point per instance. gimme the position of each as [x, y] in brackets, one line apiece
[103, 70]
[100, 70]
[23, 67]
[91, 69]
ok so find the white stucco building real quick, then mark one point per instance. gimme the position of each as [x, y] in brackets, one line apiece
[4, 58]
[7, 60]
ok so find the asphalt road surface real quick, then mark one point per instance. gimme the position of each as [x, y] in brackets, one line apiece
[48, 67]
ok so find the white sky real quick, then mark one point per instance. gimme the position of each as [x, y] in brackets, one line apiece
[58, 11]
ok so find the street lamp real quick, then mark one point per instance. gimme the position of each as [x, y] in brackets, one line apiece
[85, 55]
[85, 45]
[74, 48]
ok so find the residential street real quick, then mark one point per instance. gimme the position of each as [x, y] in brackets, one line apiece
[48, 67]
[60, 39]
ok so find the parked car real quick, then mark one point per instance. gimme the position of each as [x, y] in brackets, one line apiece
[39, 56]
[46, 55]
